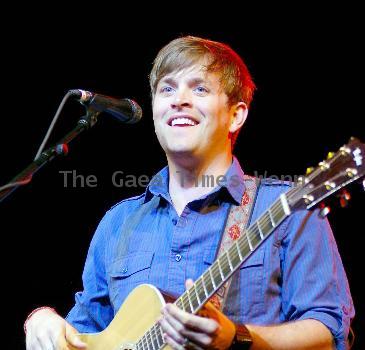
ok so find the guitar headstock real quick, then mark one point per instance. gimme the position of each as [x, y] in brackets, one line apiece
[337, 171]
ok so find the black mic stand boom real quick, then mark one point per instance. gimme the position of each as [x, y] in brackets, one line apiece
[61, 148]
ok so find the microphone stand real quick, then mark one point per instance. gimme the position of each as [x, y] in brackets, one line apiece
[61, 148]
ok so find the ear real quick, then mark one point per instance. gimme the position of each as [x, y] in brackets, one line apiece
[239, 113]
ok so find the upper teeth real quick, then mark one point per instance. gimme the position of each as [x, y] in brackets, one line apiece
[182, 121]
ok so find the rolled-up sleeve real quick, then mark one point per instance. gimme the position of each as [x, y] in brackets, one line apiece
[92, 311]
[315, 285]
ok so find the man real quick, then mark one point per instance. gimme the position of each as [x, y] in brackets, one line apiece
[292, 293]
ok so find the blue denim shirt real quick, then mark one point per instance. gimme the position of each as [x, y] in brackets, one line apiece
[296, 274]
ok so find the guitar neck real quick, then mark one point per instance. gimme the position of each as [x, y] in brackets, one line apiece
[230, 261]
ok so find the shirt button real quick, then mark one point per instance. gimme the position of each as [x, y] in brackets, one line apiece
[174, 221]
[125, 270]
[178, 257]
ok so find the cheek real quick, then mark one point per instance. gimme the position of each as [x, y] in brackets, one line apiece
[159, 108]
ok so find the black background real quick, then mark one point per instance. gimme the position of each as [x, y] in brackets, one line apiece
[307, 65]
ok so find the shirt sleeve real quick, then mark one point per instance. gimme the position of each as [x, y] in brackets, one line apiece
[92, 311]
[315, 285]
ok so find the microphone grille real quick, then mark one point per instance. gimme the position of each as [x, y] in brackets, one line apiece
[136, 110]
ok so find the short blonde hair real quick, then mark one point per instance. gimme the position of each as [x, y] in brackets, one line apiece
[186, 51]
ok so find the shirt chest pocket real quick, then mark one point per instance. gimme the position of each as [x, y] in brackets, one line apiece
[126, 273]
[246, 296]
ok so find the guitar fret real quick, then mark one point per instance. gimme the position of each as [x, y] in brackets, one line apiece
[260, 230]
[185, 303]
[204, 287]
[194, 297]
[179, 304]
[159, 337]
[225, 265]
[248, 240]
[208, 283]
[150, 336]
[271, 218]
[211, 276]
[189, 299]
[233, 256]
[255, 236]
[265, 224]
[144, 342]
[244, 247]
[229, 261]
[154, 339]
[220, 269]
[200, 292]
[238, 250]
[140, 344]
[284, 204]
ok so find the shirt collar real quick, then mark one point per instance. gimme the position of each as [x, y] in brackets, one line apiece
[232, 182]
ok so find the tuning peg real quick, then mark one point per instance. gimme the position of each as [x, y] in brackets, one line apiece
[324, 165]
[345, 197]
[309, 170]
[330, 185]
[351, 172]
[330, 155]
[324, 211]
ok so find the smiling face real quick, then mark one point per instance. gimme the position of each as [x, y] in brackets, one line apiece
[191, 113]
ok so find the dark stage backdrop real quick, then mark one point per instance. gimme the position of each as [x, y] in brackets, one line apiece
[309, 101]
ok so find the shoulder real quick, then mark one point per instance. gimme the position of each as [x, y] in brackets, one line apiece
[115, 217]
[128, 203]
[270, 189]
[118, 213]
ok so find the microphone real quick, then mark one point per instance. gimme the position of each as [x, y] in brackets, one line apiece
[125, 110]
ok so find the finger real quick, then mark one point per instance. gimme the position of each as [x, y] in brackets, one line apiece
[173, 343]
[173, 329]
[193, 322]
[198, 339]
[189, 283]
[179, 332]
[32, 343]
[72, 338]
[62, 343]
[46, 344]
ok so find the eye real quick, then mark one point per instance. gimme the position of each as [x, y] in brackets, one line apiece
[166, 89]
[201, 90]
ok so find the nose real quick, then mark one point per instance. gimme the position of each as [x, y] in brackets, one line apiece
[181, 99]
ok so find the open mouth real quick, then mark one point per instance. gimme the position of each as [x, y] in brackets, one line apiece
[182, 121]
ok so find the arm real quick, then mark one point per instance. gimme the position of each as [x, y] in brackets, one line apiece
[92, 311]
[306, 334]
[314, 283]
[45, 329]
[216, 331]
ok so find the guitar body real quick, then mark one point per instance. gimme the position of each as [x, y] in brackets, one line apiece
[139, 312]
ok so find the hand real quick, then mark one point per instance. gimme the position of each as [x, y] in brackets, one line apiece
[48, 331]
[210, 329]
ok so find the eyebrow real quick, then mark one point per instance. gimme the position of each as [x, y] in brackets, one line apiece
[193, 81]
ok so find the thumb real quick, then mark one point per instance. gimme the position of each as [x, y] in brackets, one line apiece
[72, 337]
[188, 283]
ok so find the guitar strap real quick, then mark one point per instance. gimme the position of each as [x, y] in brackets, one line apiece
[238, 219]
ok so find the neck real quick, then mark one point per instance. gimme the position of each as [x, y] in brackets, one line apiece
[191, 178]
